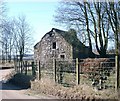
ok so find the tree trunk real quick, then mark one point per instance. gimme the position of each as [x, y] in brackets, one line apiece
[87, 24]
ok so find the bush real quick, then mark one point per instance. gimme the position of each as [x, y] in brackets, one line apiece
[21, 80]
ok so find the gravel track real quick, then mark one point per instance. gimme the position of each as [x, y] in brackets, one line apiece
[10, 91]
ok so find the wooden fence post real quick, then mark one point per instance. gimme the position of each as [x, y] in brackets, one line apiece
[19, 67]
[28, 64]
[25, 67]
[39, 71]
[33, 69]
[77, 72]
[117, 83]
[54, 67]
[15, 65]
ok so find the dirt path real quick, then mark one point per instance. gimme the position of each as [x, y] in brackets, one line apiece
[9, 91]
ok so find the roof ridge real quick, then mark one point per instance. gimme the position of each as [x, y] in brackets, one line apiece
[58, 30]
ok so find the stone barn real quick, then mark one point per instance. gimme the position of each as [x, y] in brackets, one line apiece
[60, 44]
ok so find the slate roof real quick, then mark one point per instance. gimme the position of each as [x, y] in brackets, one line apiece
[74, 41]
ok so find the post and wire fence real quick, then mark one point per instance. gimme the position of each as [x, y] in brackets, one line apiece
[71, 72]
[74, 72]
[26, 67]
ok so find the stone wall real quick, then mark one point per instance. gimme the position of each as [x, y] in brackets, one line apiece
[52, 45]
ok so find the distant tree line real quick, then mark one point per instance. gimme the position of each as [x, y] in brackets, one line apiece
[15, 35]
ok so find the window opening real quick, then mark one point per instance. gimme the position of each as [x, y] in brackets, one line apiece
[62, 56]
[54, 45]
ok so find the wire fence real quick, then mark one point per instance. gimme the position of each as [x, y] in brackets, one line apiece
[26, 67]
[66, 72]
[71, 72]
[100, 75]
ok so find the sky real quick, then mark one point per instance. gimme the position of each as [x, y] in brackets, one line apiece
[39, 14]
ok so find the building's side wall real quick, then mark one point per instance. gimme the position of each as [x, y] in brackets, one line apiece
[44, 50]
[83, 52]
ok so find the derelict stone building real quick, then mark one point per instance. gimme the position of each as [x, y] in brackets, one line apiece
[60, 45]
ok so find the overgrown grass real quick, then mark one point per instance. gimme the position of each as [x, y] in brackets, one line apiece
[82, 91]
[69, 79]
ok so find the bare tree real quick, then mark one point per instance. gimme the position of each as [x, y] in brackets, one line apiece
[2, 19]
[70, 13]
[16, 38]
[89, 18]
[113, 9]
[7, 38]
[22, 35]
[3, 10]
[15, 35]
[101, 27]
